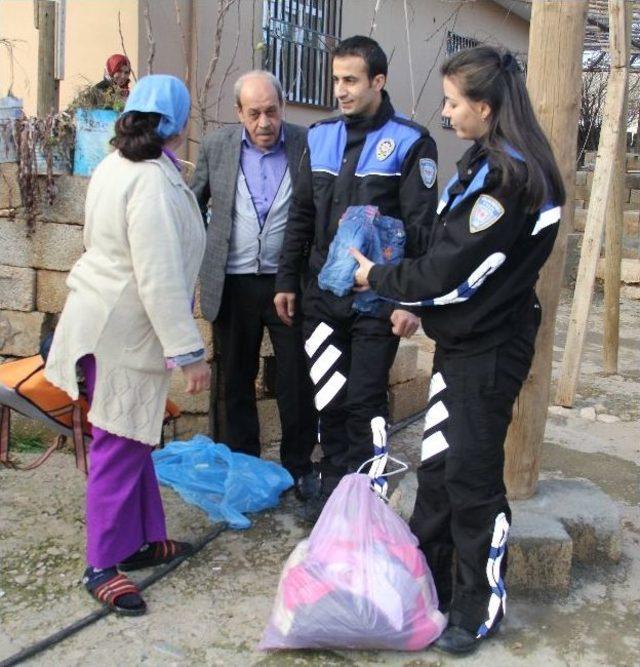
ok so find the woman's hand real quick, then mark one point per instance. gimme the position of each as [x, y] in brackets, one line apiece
[198, 376]
[362, 273]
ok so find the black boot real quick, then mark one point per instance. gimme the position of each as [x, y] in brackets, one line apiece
[312, 509]
[307, 486]
[460, 641]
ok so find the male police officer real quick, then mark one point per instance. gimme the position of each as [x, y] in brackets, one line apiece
[367, 156]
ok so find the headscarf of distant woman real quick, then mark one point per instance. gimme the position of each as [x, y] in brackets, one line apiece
[113, 65]
[165, 95]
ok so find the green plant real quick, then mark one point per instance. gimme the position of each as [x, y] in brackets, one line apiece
[25, 442]
[92, 97]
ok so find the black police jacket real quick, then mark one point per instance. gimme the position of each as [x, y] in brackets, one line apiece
[386, 161]
[476, 281]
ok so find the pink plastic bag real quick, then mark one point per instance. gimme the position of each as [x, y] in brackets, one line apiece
[359, 581]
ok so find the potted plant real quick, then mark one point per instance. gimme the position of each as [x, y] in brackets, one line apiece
[96, 111]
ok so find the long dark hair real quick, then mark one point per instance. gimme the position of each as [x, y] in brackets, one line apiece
[136, 137]
[487, 75]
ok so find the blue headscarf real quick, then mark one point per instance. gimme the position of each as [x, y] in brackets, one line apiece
[163, 94]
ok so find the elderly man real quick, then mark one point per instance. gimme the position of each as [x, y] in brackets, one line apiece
[248, 171]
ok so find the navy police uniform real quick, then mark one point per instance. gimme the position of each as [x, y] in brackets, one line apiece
[389, 162]
[476, 285]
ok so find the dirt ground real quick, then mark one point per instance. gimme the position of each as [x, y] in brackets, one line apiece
[213, 608]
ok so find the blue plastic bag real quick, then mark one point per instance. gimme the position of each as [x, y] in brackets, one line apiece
[225, 484]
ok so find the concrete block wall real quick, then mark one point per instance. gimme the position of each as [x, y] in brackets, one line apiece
[631, 193]
[631, 223]
[33, 269]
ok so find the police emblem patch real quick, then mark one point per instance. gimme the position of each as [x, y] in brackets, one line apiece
[428, 171]
[485, 212]
[385, 148]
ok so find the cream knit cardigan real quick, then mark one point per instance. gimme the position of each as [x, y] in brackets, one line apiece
[130, 293]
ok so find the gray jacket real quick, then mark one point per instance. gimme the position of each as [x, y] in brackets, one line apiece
[215, 176]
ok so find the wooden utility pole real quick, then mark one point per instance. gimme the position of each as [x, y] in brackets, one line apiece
[48, 87]
[613, 236]
[556, 37]
[601, 192]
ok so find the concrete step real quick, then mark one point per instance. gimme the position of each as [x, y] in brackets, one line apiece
[405, 364]
[567, 522]
[408, 398]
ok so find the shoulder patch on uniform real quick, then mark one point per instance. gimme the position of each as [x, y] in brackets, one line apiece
[384, 148]
[485, 212]
[428, 171]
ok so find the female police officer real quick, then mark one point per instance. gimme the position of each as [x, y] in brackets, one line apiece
[497, 222]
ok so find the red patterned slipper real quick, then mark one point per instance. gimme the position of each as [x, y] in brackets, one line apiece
[117, 588]
[156, 553]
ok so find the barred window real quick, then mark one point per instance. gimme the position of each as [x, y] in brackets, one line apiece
[300, 35]
[457, 43]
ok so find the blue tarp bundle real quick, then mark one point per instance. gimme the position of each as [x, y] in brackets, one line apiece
[225, 484]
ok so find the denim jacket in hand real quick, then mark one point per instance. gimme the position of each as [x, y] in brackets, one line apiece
[380, 238]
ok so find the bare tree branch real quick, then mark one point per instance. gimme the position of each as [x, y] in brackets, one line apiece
[230, 67]
[124, 48]
[374, 25]
[183, 41]
[411, 80]
[253, 34]
[443, 41]
[223, 8]
[152, 44]
[8, 44]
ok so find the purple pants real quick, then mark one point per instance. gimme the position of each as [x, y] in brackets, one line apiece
[124, 508]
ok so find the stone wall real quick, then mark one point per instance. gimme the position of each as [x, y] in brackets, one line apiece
[630, 273]
[33, 269]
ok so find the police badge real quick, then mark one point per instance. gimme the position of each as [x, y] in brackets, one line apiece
[428, 171]
[485, 212]
[385, 148]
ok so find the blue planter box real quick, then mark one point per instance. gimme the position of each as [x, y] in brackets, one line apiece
[94, 129]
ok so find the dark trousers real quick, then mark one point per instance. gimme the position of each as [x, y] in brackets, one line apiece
[246, 308]
[349, 357]
[461, 502]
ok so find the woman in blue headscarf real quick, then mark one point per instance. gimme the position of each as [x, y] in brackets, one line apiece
[126, 323]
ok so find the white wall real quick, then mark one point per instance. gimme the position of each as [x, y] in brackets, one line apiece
[429, 21]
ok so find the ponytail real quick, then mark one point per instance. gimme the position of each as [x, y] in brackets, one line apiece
[485, 74]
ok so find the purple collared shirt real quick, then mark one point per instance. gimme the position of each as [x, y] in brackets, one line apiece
[173, 157]
[263, 172]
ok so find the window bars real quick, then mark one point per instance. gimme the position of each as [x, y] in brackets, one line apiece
[457, 43]
[300, 35]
